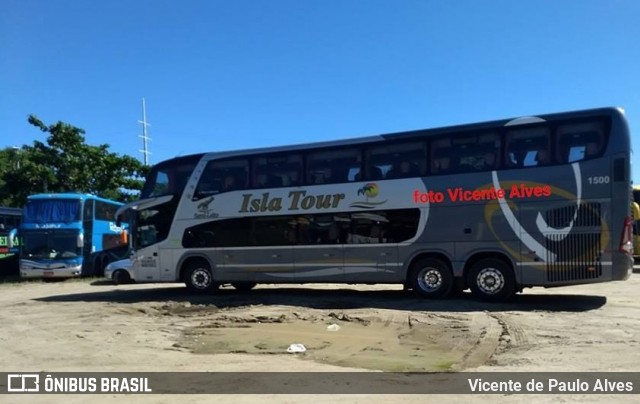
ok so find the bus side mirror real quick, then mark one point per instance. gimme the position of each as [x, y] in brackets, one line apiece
[635, 211]
[80, 240]
[11, 236]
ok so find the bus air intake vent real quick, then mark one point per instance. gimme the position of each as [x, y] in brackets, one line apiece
[588, 216]
[577, 256]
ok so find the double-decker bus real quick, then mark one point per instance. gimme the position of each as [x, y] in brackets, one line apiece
[495, 207]
[9, 220]
[67, 235]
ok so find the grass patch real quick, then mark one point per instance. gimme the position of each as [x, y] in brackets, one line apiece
[444, 365]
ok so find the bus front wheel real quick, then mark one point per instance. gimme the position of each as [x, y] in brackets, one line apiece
[431, 278]
[492, 280]
[199, 277]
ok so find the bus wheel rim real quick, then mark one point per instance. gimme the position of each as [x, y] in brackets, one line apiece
[200, 278]
[490, 281]
[430, 279]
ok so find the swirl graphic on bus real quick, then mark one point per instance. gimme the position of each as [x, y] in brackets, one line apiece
[549, 232]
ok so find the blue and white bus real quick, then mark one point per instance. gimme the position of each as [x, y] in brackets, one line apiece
[495, 207]
[68, 235]
[9, 220]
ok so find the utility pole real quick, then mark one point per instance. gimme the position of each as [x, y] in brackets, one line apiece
[145, 149]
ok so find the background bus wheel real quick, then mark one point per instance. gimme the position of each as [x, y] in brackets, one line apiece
[103, 264]
[199, 277]
[243, 286]
[431, 278]
[492, 280]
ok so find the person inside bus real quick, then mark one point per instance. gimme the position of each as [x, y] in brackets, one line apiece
[262, 181]
[489, 161]
[403, 170]
[542, 157]
[229, 183]
[591, 149]
[375, 173]
[441, 164]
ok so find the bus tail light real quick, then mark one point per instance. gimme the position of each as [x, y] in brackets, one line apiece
[626, 243]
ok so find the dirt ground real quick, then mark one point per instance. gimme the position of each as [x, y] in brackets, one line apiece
[83, 325]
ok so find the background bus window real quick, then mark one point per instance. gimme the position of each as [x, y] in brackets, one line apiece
[528, 147]
[106, 211]
[333, 166]
[580, 141]
[277, 171]
[401, 160]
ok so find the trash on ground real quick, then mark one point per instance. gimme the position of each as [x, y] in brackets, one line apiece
[333, 327]
[296, 348]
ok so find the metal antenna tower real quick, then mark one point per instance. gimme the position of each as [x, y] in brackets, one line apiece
[145, 139]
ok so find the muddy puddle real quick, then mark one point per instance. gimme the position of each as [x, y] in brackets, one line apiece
[387, 340]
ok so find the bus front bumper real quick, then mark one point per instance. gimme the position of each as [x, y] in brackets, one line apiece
[66, 272]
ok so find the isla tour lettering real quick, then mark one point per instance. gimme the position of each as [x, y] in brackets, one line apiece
[460, 194]
[296, 200]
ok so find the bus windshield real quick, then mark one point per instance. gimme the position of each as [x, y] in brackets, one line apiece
[50, 244]
[52, 211]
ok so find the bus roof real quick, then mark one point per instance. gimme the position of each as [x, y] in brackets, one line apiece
[606, 111]
[71, 195]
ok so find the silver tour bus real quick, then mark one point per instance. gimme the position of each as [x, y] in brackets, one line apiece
[494, 207]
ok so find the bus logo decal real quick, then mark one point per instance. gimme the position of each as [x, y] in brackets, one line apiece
[203, 211]
[370, 190]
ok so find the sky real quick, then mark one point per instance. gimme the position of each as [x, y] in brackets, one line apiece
[222, 75]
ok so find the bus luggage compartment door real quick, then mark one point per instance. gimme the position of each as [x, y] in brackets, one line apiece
[371, 263]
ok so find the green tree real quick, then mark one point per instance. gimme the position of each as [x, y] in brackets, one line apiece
[66, 164]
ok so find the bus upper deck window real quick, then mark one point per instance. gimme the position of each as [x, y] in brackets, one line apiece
[582, 141]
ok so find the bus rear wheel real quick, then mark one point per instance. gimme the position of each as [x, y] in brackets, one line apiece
[431, 278]
[491, 280]
[243, 286]
[199, 277]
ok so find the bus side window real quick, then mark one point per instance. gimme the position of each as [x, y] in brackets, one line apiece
[333, 166]
[580, 141]
[396, 160]
[441, 161]
[527, 147]
[222, 176]
[278, 170]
